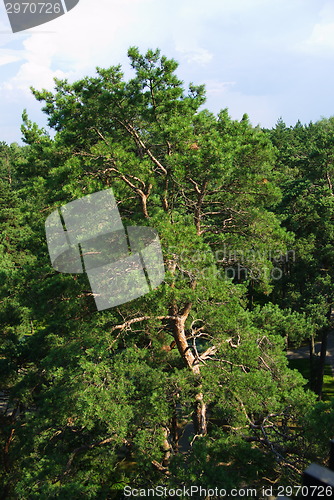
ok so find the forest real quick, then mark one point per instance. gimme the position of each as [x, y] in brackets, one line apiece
[189, 384]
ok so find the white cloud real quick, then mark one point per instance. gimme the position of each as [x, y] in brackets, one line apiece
[71, 46]
[321, 39]
[244, 50]
[215, 87]
[327, 12]
[8, 56]
[90, 35]
[36, 69]
[198, 56]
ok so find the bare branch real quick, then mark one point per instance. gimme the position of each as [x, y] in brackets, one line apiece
[133, 132]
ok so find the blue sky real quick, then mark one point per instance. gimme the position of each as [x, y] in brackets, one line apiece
[267, 58]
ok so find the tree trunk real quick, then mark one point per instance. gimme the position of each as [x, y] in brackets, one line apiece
[321, 367]
[199, 415]
[312, 365]
[166, 448]
[200, 420]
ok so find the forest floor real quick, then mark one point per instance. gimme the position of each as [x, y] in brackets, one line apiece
[304, 351]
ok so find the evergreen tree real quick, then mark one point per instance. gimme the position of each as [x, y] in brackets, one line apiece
[184, 385]
[307, 209]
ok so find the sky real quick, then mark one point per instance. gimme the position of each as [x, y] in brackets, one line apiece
[266, 58]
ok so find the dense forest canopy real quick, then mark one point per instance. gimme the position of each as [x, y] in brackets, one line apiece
[188, 384]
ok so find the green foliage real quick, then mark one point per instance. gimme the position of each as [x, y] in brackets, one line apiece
[291, 325]
[113, 398]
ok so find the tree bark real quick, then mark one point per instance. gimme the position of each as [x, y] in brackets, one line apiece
[199, 415]
[321, 368]
[312, 365]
